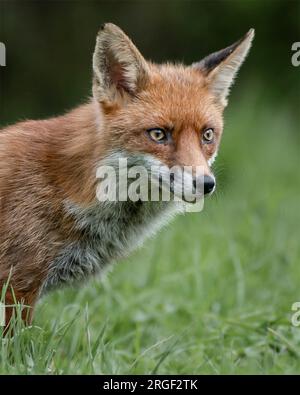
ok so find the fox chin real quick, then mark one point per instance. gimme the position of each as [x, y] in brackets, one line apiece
[54, 230]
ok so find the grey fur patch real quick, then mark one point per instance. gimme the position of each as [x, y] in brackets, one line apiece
[110, 231]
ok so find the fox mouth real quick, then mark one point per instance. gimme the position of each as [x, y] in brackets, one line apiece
[178, 191]
[134, 177]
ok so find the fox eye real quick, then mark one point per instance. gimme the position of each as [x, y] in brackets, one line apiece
[157, 135]
[208, 136]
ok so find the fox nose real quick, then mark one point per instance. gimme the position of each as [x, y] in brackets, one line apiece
[208, 183]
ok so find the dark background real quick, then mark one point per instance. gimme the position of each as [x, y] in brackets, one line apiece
[50, 44]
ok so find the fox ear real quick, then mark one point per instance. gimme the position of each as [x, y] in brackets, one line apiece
[220, 68]
[120, 71]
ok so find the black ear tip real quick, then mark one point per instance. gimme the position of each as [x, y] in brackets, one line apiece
[110, 28]
[102, 28]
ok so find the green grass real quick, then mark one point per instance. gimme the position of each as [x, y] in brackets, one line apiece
[212, 293]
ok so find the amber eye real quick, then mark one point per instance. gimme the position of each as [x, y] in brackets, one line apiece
[208, 136]
[158, 135]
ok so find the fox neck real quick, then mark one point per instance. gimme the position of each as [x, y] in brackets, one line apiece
[78, 150]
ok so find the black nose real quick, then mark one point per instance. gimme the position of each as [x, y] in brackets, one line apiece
[209, 184]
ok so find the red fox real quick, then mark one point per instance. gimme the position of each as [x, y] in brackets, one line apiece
[54, 230]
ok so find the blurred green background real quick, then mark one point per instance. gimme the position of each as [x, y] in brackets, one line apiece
[212, 293]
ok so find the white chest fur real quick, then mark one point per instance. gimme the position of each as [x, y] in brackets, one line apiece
[110, 230]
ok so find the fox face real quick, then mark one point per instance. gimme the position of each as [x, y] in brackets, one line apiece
[173, 113]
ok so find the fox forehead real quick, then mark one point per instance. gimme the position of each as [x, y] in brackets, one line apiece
[176, 97]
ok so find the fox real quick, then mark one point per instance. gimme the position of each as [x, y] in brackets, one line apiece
[54, 231]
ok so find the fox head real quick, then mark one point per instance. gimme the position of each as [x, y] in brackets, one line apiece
[171, 113]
